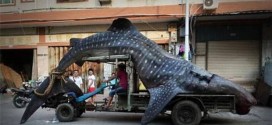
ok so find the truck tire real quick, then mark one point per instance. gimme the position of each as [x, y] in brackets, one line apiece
[65, 112]
[186, 113]
[18, 103]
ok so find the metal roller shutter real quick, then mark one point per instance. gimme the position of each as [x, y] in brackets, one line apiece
[238, 61]
[200, 59]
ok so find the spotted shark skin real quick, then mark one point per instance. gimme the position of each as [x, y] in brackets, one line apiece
[163, 74]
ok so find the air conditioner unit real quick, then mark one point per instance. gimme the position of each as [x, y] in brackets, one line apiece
[210, 4]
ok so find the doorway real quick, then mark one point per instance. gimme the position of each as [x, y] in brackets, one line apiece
[20, 60]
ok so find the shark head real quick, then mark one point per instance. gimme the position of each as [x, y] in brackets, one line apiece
[244, 99]
[213, 83]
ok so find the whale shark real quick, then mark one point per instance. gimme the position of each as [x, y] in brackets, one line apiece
[163, 74]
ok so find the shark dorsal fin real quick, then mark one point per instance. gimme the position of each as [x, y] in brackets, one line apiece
[74, 41]
[122, 24]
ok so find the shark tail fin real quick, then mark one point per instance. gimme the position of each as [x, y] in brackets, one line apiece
[159, 97]
[74, 41]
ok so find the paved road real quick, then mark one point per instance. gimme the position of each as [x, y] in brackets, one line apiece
[9, 115]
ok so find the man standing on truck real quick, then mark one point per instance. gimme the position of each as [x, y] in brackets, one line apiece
[123, 83]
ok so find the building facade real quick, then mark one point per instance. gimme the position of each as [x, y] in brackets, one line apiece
[229, 37]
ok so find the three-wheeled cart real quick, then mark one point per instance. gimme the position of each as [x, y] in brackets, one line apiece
[185, 108]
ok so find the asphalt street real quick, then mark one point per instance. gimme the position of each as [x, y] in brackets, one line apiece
[10, 115]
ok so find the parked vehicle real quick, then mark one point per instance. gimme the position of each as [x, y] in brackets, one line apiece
[23, 96]
[185, 108]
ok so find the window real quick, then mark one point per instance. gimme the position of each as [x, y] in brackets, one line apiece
[69, 1]
[7, 2]
[25, 1]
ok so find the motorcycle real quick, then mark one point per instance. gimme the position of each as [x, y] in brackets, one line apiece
[22, 96]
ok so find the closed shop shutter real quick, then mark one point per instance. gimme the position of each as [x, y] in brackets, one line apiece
[201, 55]
[238, 61]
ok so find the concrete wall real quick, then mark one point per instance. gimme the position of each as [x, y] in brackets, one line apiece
[45, 5]
[42, 5]
[42, 61]
[38, 5]
[18, 31]
[201, 1]
[19, 40]
[145, 26]
[135, 3]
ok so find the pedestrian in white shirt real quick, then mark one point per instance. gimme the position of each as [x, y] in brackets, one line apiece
[77, 79]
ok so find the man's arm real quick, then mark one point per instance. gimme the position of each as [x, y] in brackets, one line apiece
[111, 78]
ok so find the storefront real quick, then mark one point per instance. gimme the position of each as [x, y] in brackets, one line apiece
[231, 49]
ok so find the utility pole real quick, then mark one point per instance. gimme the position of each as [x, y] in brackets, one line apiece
[187, 30]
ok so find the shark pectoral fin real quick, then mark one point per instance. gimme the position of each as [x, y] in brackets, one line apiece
[74, 41]
[159, 98]
[121, 24]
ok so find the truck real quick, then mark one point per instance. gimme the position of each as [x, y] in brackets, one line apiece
[184, 108]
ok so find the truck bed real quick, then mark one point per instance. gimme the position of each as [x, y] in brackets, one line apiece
[210, 102]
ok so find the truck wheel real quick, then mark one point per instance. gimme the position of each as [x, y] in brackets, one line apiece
[186, 113]
[65, 112]
[19, 103]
